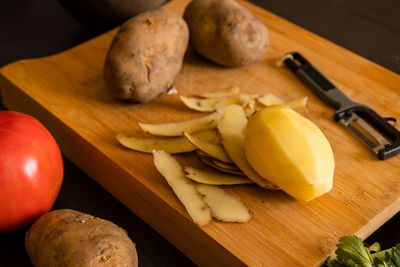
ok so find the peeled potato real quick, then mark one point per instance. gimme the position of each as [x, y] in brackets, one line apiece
[291, 151]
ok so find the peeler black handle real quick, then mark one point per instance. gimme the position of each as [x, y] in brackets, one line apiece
[317, 82]
[332, 96]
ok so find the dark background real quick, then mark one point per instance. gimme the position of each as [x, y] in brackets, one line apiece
[36, 28]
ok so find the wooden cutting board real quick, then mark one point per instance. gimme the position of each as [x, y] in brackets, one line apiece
[67, 93]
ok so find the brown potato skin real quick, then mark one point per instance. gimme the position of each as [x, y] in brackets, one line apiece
[225, 32]
[146, 55]
[71, 238]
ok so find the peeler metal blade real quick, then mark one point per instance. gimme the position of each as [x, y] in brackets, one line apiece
[365, 132]
[373, 130]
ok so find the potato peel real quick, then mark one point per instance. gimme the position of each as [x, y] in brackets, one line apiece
[184, 188]
[224, 207]
[178, 128]
[241, 100]
[148, 144]
[217, 164]
[198, 104]
[211, 136]
[221, 93]
[298, 103]
[212, 104]
[224, 165]
[214, 150]
[231, 128]
[271, 99]
[215, 177]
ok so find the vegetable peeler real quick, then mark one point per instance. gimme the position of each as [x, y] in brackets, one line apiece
[373, 130]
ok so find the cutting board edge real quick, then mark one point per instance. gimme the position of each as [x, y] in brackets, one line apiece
[379, 220]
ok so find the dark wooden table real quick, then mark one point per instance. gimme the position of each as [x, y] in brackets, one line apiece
[36, 28]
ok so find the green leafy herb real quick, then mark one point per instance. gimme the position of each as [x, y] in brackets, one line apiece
[375, 247]
[351, 252]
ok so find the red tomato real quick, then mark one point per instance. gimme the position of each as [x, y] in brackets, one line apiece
[31, 170]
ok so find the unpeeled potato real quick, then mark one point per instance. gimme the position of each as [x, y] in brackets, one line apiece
[146, 55]
[70, 238]
[225, 32]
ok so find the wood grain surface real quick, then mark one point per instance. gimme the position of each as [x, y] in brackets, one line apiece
[67, 93]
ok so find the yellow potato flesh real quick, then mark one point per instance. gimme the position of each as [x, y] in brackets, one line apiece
[290, 151]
